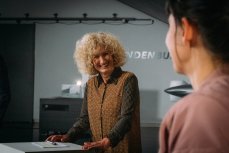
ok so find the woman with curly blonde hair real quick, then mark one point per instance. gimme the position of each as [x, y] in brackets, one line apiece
[111, 107]
[85, 49]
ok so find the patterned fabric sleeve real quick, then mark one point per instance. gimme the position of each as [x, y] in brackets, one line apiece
[130, 97]
[82, 124]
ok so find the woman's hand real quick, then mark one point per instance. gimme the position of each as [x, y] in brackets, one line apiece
[58, 138]
[102, 144]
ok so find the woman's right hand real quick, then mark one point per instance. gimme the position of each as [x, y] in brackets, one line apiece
[58, 138]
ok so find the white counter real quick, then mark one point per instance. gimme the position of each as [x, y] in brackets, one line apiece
[31, 147]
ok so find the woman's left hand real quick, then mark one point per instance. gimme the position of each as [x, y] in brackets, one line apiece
[102, 144]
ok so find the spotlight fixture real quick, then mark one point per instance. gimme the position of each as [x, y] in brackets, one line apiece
[115, 15]
[125, 21]
[85, 15]
[152, 21]
[55, 15]
[26, 15]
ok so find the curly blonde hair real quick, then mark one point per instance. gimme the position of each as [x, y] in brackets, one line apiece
[87, 45]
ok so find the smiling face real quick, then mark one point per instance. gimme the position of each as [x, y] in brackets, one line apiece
[103, 61]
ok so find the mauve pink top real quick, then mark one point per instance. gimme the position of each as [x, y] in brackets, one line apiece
[199, 123]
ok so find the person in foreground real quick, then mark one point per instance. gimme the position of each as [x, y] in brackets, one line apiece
[198, 41]
[111, 101]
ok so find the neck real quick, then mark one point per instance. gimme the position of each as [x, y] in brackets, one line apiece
[200, 68]
[199, 75]
[105, 78]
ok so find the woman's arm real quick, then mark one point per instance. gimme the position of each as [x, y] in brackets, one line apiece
[82, 124]
[129, 100]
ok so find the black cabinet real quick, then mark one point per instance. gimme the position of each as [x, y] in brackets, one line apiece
[57, 115]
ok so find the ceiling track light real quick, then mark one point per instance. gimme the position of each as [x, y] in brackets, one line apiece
[26, 15]
[115, 15]
[84, 17]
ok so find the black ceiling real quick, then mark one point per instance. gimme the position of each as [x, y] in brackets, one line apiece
[154, 8]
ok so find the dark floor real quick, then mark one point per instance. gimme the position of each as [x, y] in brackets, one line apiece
[28, 133]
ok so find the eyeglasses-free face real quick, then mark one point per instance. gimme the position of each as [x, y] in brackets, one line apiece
[103, 61]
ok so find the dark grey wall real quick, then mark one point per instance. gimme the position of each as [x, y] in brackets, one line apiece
[17, 48]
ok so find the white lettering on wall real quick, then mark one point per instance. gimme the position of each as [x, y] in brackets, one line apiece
[146, 55]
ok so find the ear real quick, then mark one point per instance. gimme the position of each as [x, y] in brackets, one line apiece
[188, 31]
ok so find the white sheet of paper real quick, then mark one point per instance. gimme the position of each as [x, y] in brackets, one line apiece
[50, 144]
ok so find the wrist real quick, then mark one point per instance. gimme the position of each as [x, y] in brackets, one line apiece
[106, 143]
